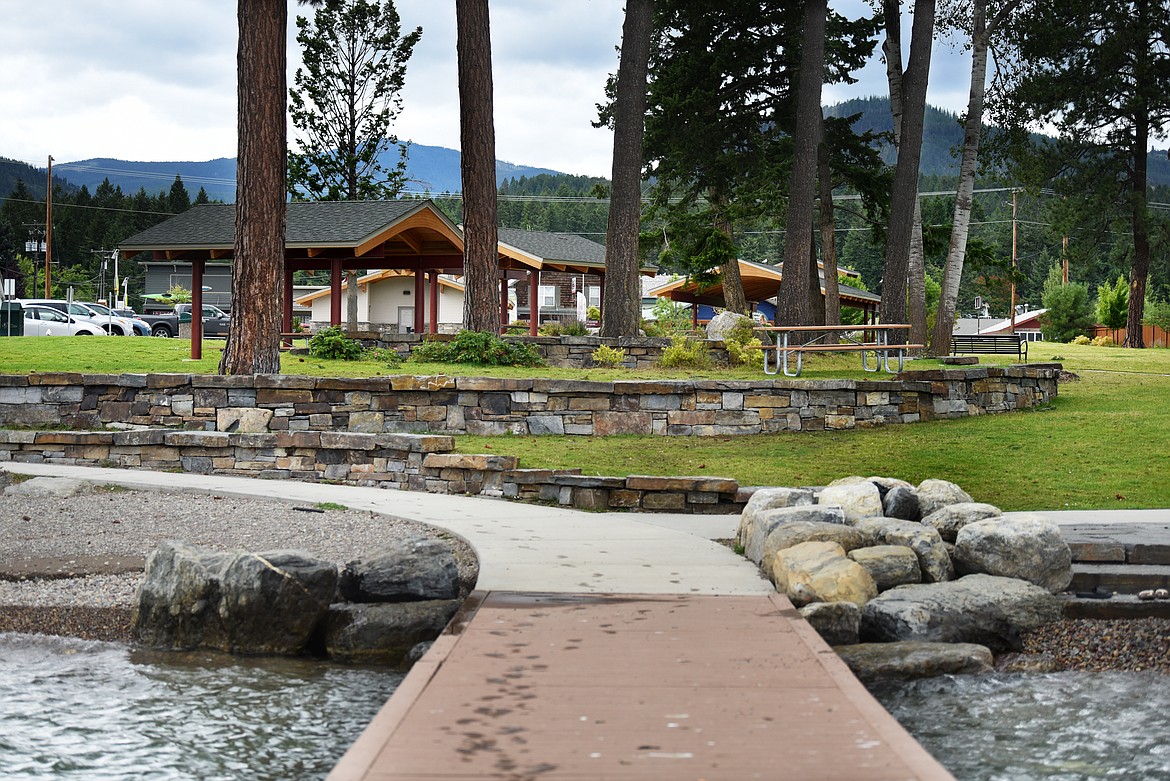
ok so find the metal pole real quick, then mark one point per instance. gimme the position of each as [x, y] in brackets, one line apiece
[1064, 261]
[1014, 234]
[49, 232]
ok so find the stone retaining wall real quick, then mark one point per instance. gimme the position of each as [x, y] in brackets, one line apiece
[491, 406]
[417, 462]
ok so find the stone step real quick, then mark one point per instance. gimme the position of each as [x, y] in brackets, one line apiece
[1120, 606]
[1121, 578]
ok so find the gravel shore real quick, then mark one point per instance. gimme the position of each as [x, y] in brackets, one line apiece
[70, 563]
[72, 555]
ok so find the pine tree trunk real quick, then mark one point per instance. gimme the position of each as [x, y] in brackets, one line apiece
[734, 299]
[904, 192]
[622, 304]
[351, 301]
[944, 323]
[916, 278]
[793, 297]
[828, 235]
[1140, 269]
[253, 343]
[477, 133]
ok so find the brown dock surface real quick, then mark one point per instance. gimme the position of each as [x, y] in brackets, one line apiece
[561, 686]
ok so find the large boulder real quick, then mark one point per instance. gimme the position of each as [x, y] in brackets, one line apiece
[786, 535]
[889, 565]
[247, 603]
[383, 633]
[838, 623]
[928, 546]
[949, 519]
[983, 609]
[767, 521]
[722, 324]
[770, 499]
[411, 568]
[858, 499]
[935, 494]
[821, 572]
[1027, 547]
[902, 502]
[909, 660]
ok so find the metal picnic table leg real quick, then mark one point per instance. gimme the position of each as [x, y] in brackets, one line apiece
[799, 359]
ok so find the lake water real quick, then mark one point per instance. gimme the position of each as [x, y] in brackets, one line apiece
[72, 709]
[1049, 727]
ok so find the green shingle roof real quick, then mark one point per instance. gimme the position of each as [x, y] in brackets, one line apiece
[555, 246]
[317, 223]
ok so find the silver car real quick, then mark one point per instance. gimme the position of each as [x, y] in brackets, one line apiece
[41, 320]
[115, 326]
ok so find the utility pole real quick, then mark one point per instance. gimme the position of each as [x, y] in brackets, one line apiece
[1015, 193]
[49, 232]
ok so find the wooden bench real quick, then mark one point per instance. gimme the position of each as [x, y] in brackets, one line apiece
[990, 344]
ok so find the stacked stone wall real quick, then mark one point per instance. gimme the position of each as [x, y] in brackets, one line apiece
[492, 406]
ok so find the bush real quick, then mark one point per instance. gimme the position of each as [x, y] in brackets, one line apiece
[332, 344]
[609, 357]
[478, 349]
[1113, 304]
[388, 358]
[1102, 341]
[670, 317]
[568, 328]
[1082, 339]
[742, 345]
[593, 314]
[685, 353]
[1069, 311]
[1157, 314]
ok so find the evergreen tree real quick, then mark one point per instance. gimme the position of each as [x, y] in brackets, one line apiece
[178, 201]
[346, 97]
[1095, 70]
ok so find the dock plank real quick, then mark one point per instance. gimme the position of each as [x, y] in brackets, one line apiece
[559, 686]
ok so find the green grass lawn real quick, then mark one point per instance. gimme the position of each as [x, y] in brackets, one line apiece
[1105, 443]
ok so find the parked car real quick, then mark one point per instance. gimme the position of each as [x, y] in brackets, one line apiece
[113, 325]
[141, 327]
[40, 320]
[215, 321]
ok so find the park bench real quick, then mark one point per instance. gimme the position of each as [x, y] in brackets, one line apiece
[990, 344]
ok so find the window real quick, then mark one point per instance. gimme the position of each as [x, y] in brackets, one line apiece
[593, 295]
[548, 296]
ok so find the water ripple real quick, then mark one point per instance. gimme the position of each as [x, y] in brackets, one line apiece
[72, 709]
[1051, 727]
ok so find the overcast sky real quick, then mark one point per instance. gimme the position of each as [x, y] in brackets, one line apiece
[149, 80]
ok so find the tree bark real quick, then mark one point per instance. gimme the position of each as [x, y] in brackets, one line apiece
[828, 235]
[793, 298]
[622, 295]
[253, 343]
[944, 323]
[351, 301]
[1140, 269]
[477, 133]
[904, 193]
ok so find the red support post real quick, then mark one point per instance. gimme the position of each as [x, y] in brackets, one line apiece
[196, 309]
[335, 292]
[433, 279]
[533, 302]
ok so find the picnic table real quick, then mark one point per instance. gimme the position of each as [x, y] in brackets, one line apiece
[800, 339]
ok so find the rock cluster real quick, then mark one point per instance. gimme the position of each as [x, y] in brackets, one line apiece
[376, 609]
[925, 571]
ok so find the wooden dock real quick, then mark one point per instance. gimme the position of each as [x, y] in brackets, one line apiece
[561, 686]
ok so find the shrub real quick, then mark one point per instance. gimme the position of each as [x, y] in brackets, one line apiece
[388, 358]
[1113, 304]
[1082, 339]
[1102, 341]
[609, 357]
[1069, 311]
[670, 317]
[478, 349]
[1157, 314]
[332, 344]
[685, 353]
[742, 345]
[593, 314]
[568, 328]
